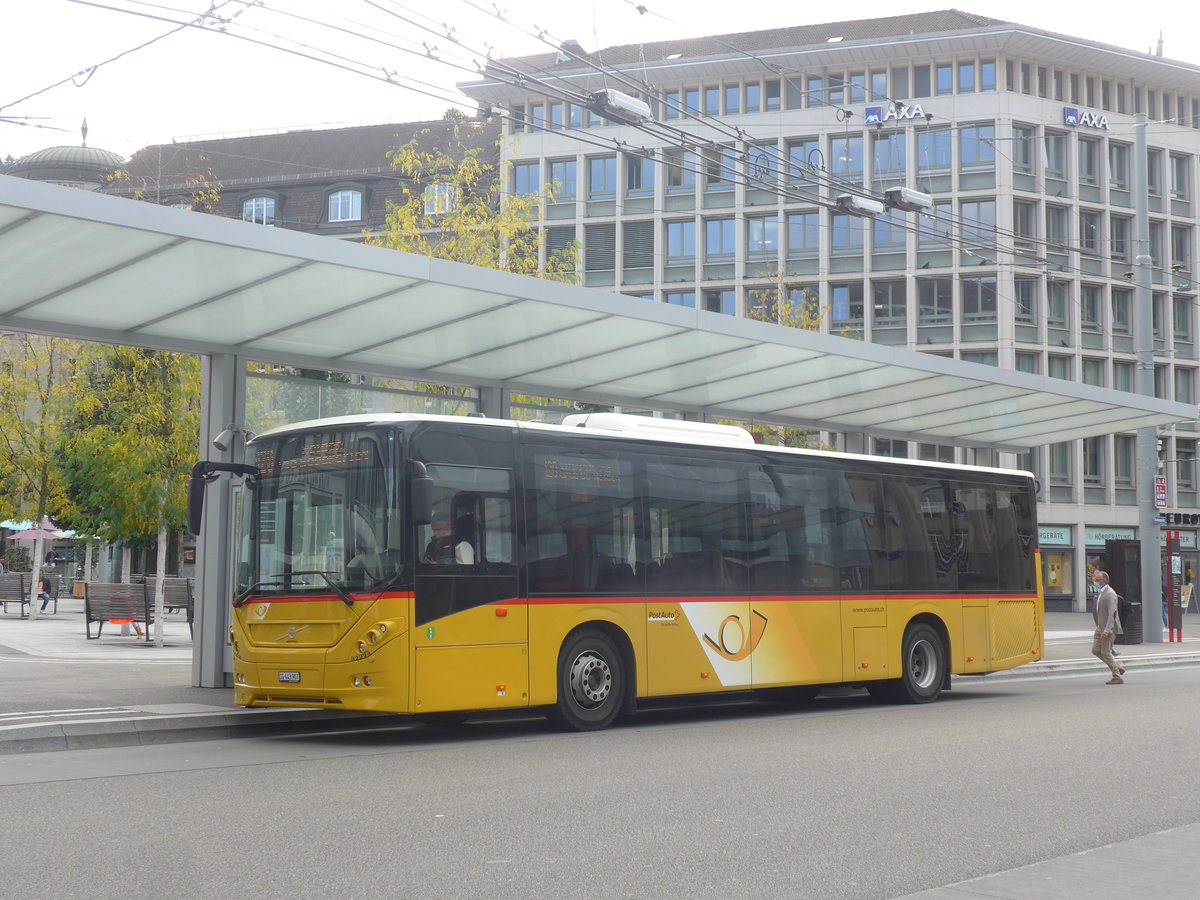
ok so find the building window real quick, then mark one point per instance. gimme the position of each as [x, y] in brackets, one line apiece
[966, 77]
[1181, 309]
[1093, 461]
[889, 232]
[1181, 177]
[1123, 376]
[722, 301]
[440, 198]
[562, 178]
[879, 88]
[1185, 385]
[889, 154]
[846, 235]
[1118, 166]
[891, 447]
[681, 242]
[600, 247]
[1089, 231]
[1093, 372]
[1059, 367]
[804, 160]
[987, 75]
[1154, 172]
[1057, 303]
[1024, 224]
[1156, 243]
[1060, 463]
[1091, 298]
[345, 206]
[762, 165]
[1026, 293]
[1056, 155]
[720, 168]
[1056, 227]
[733, 94]
[847, 158]
[936, 299]
[933, 151]
[936, 228]
[671, 105]
[1121, 306]
[1024, 137]
[847, 307]
[856, 90]
[753, 95]
[1027, 362]
[712, 100]
[762, 237]
[889, 303]
[981, 357]
[979, 298]
[1089, 161]
[1118, 237]
[637, 245]
[639, 175]
[602, 177]
[681, 170]
[525, 179]
[691, 101]
[1181, 246]
[560, 240]
[803, 235]
[260, 210]
[976, 147]
[681, 298]
[771, 97]
[719, 239]
[979, 222]
[1185, 464]
[922, 83]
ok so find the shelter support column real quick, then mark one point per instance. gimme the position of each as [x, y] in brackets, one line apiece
[223, 402]
[493, 402]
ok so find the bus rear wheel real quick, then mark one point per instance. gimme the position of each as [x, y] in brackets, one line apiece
[923, 669]
[591, 682]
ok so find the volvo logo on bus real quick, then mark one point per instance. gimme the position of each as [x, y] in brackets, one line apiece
[877, 115]
[1085, 119]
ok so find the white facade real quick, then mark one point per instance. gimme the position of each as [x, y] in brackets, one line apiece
[1025, 141]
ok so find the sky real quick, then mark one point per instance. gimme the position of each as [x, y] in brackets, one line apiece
[232, 78]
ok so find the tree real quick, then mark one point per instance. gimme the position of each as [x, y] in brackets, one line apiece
[129, 448]
[34, 401]
[455, 207]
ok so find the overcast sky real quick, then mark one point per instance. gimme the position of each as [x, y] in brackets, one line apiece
[202, 82]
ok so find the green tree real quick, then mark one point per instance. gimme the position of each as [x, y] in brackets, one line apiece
[455, 207]
[34, 401]
[130, 445]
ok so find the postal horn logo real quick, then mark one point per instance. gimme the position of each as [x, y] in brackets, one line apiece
[731, 642]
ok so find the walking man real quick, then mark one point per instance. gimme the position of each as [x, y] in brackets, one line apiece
[1108, 626]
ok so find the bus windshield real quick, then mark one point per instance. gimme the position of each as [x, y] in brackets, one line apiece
[321, 516]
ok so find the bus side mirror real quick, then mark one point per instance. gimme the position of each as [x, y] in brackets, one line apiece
[202, 473]
[420, 493]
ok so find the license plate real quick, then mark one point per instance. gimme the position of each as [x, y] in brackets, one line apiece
[290, 677]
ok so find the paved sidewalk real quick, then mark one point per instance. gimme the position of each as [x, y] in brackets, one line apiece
[62, 691]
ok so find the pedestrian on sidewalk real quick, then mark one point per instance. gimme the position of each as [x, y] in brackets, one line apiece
[1108, 626]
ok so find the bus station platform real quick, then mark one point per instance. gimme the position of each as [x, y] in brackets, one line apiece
[64, 692]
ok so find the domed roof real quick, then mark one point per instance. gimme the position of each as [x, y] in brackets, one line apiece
[72, 156]
[67, 164]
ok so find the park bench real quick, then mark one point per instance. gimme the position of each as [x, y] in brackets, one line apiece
[14, 588]
[133, 602]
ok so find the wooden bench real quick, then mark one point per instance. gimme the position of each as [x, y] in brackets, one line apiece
[135, 602]
[14, 588]
[106, 602]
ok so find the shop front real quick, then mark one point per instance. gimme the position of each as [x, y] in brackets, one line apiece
[1058, 566]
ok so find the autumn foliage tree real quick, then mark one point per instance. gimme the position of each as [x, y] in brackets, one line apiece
[130, 444]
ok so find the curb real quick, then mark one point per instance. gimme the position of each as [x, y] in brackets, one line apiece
[175, 728]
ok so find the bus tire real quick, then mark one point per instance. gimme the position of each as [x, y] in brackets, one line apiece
[591, 682]
[923, 665]
[922, 669]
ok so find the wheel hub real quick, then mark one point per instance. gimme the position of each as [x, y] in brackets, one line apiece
[591, 679]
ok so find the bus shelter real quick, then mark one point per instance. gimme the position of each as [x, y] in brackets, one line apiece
[107, 269]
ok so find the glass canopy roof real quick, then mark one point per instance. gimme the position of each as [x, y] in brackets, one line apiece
[102, 268]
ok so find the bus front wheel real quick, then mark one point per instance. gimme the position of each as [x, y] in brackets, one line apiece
[591, 682]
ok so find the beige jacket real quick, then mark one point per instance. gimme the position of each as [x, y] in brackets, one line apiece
[1106, 611]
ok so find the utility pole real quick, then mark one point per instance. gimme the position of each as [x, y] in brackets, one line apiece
[1143, 346]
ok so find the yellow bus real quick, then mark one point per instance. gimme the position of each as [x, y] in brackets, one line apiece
[437, 565]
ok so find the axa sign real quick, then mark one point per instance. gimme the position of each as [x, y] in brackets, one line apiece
[1085, 119]
[877, 115]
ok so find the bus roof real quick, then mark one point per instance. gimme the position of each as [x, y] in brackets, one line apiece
[685, 435]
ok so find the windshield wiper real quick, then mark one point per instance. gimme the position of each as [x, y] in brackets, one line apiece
[240, 600]
[338, 589]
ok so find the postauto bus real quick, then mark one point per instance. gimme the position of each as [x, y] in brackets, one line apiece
[437, 565]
